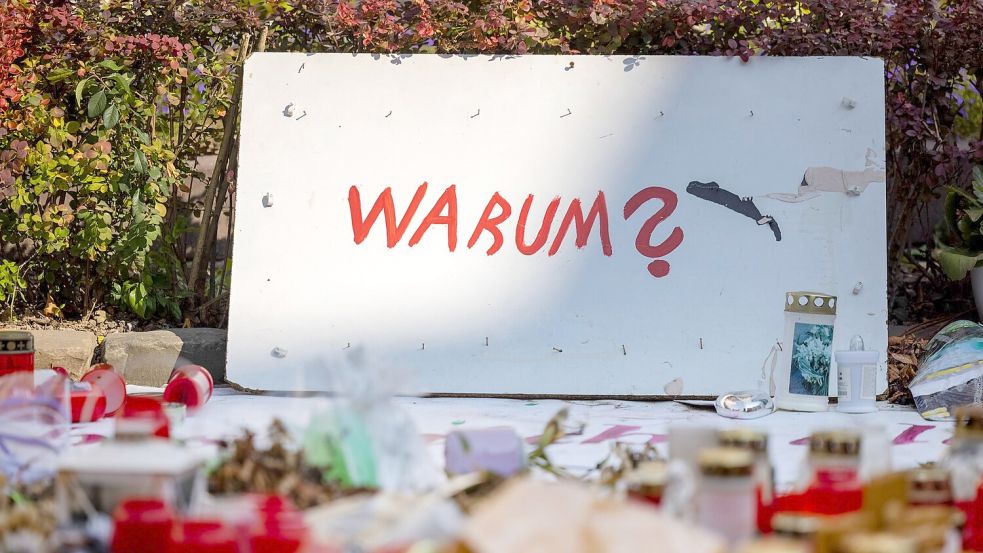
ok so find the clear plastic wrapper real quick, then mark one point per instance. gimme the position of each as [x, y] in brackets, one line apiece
[950, 373]
[34, 425]
[364, 439]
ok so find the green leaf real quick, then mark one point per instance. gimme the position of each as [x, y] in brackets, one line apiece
[974, 213]
[144, 137]
[110, 64]
[59, 75]
[110, 117]
[139, 162]
[122, 83]
[956, 263]
[79, 90]
[97, 104]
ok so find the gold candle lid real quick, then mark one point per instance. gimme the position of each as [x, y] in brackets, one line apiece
[969, 421]
[725, 461]
[796, 525]
[744, 438]
[648, 478]
[835, 442]
[816, 303]
[773, 544]
[935, 480]
[877, 543]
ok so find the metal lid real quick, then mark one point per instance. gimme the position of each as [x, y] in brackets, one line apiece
[877, 543]
[816, 303]
[796, 525]
[725, 461]
[744, 438]
[749, 404]
[969, 421]
[648, 478]
[835, 442]
[16, 341]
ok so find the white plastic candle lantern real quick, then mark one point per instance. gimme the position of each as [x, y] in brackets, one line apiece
[856, 378]
[802, 379]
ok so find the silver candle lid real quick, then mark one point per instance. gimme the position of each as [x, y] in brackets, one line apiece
[748, 404]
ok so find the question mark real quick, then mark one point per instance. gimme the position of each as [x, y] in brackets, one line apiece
[643, 242]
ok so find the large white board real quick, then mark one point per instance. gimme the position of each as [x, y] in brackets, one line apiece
[800, 140]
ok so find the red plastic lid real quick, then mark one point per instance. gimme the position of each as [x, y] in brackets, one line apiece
[112, 384]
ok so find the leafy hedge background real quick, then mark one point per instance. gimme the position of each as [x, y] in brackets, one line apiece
[107, 105]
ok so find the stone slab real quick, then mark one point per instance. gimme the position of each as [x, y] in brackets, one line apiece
[900, 437]
[71, 349]
[147, 358]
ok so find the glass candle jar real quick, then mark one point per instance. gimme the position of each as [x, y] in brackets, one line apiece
[929, 486]
[725, 502]
[756, 442]
[802, 379]
[834, 463]
[965, 456]
[647, 482]
[16, 351]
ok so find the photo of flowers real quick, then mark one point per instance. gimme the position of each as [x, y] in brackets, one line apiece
[811, 352]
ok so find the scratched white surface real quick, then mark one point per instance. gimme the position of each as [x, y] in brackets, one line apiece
[578, 322]
[229, 412]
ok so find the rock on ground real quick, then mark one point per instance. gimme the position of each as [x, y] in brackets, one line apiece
[147, 358]
[71, 349]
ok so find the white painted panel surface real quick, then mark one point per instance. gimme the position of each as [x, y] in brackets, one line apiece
[577, 322]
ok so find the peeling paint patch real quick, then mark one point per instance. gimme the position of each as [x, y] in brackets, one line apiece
[674, 387]
[712, 192]
[830, 179]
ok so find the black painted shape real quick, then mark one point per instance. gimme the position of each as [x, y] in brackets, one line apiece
[712, 192]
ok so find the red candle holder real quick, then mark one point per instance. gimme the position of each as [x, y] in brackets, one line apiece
[203, 536]
[142, 525]
[88, 402]
[191, 385]
[144, 412]
[279, 528]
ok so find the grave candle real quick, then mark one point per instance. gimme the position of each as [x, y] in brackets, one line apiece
[802, 381]
[725, 502]
[16, 351]
[856, 371]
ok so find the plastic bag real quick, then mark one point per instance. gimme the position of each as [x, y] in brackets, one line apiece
[34, 425]
[950, 373]
[364, 439]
